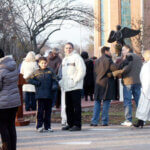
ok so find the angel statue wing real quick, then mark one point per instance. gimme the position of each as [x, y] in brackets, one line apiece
[112, 37]
[127, 32]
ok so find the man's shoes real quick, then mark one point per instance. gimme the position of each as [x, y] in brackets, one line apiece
[104, 124]
[127, 123]
[48, 130]
[40, 129]
[66, 128]
[75, 128]
[94, 125]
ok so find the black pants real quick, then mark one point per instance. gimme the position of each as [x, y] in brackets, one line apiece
[30, 101]
[73, 108]
[7, 128]
[44, 113]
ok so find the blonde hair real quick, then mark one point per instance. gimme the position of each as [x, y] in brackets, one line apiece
[30, 57]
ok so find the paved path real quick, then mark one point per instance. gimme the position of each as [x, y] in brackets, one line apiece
[97, 138]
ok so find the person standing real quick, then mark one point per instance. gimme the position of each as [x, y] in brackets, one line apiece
[104, 86]
[63, 105]
[73, 72]
[9, 101]
[88, 84]
[130, 72]
[143, 109]
[29, 65]
[43, 79]
[54, 62]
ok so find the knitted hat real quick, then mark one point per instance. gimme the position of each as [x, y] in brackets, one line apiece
[84, 55]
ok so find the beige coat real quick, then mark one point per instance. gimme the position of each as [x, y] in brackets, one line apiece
[27, 68]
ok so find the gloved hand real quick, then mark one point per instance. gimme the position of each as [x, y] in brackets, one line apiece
[109, 75]
[117, 73]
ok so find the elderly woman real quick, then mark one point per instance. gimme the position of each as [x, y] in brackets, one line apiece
[9, 101]
[143, 110]
[28, 66]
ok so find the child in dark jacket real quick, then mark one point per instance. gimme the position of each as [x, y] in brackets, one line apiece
[44, 80]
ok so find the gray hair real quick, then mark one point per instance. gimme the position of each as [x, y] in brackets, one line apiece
[30, 57]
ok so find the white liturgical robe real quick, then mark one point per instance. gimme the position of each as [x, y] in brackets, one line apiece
[143, 110]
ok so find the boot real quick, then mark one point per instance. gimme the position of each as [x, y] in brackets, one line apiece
[139, 124]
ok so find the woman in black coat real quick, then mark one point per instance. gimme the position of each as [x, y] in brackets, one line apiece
[88, 84]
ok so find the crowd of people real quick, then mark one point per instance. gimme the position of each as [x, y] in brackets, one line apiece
[51, 80]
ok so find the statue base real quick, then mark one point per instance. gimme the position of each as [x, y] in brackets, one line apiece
[22, 122]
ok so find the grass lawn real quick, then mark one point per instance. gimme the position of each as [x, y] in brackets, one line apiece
[116, 115]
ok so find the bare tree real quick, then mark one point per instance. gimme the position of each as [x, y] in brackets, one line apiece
[39, 17]
[90, 45]
[9, 29]
[5, 24]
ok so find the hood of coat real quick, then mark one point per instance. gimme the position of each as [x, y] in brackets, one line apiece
[7, 62]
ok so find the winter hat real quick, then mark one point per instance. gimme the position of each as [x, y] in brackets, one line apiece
[84, 55]
[1, 53]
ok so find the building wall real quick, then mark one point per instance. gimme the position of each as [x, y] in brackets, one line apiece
[136, 23]
[97, 35]
[112, 13]
[146, 34]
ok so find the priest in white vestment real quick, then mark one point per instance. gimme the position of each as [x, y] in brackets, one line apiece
[143, 110]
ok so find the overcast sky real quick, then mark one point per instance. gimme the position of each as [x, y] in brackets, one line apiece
[73, 33]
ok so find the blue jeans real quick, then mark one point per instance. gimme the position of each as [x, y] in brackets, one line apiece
[97, 110]
[128, 91]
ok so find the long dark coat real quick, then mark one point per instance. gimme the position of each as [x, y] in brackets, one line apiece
[105, 87]
[88, 85]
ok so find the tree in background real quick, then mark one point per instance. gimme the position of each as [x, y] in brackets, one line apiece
[10, 30]
[90, 46]
[42, 17]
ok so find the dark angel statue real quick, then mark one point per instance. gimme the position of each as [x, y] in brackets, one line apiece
[121, 34]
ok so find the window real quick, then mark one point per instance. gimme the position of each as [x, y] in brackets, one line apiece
[126, 16]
